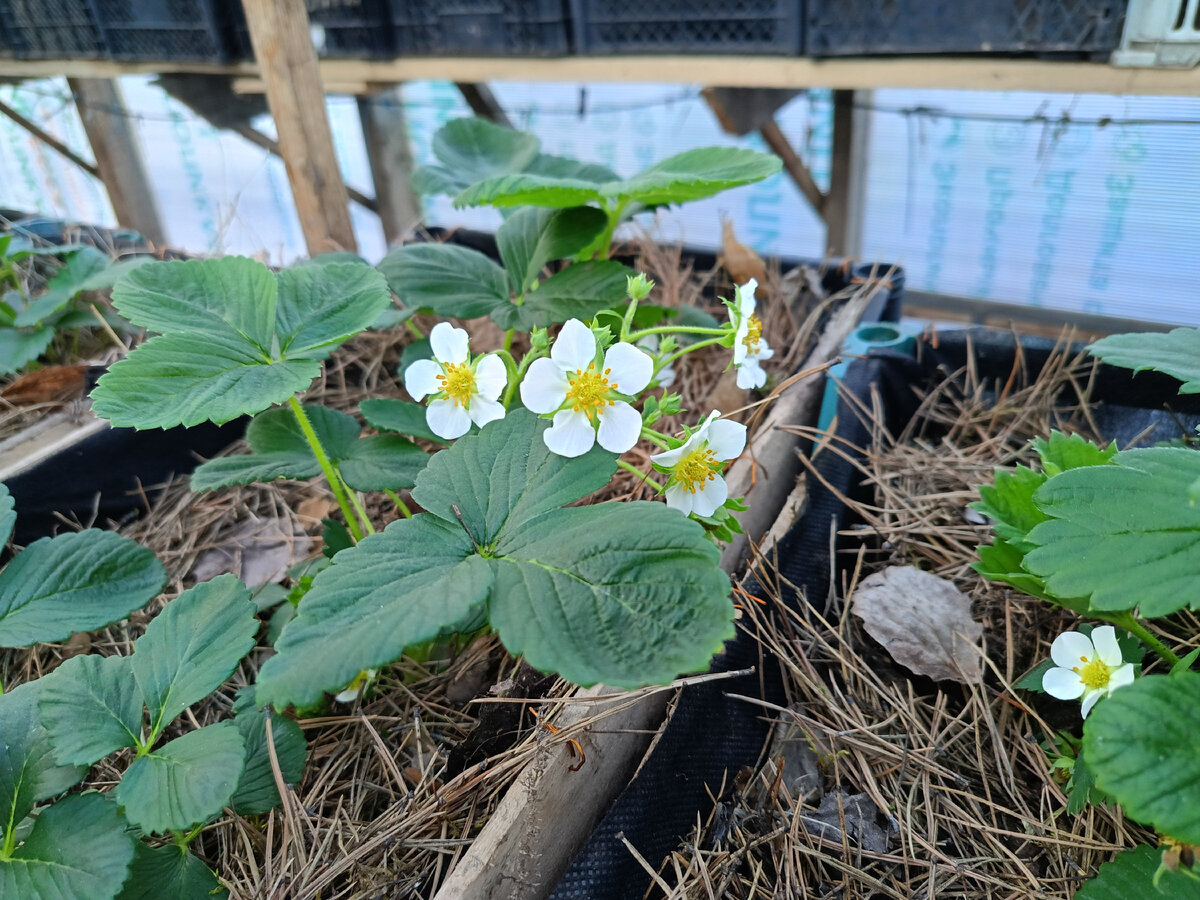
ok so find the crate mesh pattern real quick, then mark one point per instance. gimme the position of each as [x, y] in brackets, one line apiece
[50, 29]
[699, 26]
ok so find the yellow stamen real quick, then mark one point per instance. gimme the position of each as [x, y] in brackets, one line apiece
[589, 390]
[696, 469]
[753, 334]
[457, 382]
[1095, 674]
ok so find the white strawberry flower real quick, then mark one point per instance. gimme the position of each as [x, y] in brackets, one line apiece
[695, 484]
[589, 402]
[749, 348]
[1087, 668]
[460, 391]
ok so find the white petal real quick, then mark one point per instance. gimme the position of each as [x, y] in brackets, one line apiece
[665, 376]
[750, 375]
[740, 350]
[1071, 649]
[631, 368]
[620, 427]
[484, 410]
[420, 379]
[1104, 639]
[571, 434]
[450, 344]
[1063, 684]
[746, 300]
[726, 438]
[710, 497]
[447, 419]
[680, 498]
[575, 346]
[668, 458]
[544, 387]
[1089, 701]
[762, 351]
[1121, 677]
[491, 378]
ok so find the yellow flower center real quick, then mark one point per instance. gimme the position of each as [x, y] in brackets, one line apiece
[753, 334]
[458, 382]
[589, 390]
[1095, 674]
[696, 469]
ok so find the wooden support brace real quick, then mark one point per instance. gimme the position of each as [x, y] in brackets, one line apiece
[483, 102]
[385, 132]
[279, 33]
[49, 140]
[794, 165]
[118, 155]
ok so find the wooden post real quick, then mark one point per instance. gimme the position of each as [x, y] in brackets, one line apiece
[118, 155]
[843, 209]
[483, 102]
[385, 132]
[288, 63]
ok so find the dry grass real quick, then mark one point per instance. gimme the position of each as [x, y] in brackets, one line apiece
[962, 791]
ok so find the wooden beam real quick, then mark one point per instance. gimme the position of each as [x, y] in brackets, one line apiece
[843, 210]
[483, 102]
[385, 132]
[743, 110]
[118, 155]
[284, 50]
[794, 165]
[49, 140]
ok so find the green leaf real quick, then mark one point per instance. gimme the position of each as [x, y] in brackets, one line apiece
[74, 582]
[91, 707]
[474, 148]
[401, 416]
[531, 190]
[1081, 788]
[1185, 663]
[235, 338]
[190, 648]
[697, 173]
[105, 278]
[382, 462]
[80, 267]
[1130, 874]
[624, 593]
[1032, 680]
[29, 771]
[8, 515]
[78, 849]
[19, 347]
[452, 281]
[566, 167]
[398, 588]
[627, 593]
[530, 238]
[1122, 535]
[1177, 353]
[170, 871]
[256, 791]
[1143, 744]
[185, 781]
[577, 292]
[1008, 502]
[1071, 451]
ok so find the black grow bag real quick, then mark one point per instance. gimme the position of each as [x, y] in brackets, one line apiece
[712, 735]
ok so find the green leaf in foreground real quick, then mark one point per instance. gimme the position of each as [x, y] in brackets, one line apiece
[1177, 353]
[256, 790]
[1130, 876]
[185, 781]
[74, 582]
[531, 237]
[1143, 745]
[577, 292]
[234, 337]
[91, 707]
[1123, 535]
[628, 594]
[401, 416]
[78, 849]
[452, 281]
[170, 871]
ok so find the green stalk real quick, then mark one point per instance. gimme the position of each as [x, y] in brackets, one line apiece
[655, 437]
[411, 326]
[1127, 621]
[400, 504]
[359, 509]
[666, 361]
[606, 236]
[642, 476]
[675, 329]
[508, 339]
[327, 468]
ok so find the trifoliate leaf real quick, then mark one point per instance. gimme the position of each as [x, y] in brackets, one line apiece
[577, 292]
[91, 707]
[79, 849]
[401, 416]
[74, 582]
[256, 791]
[1143, 745]
[531, 237]
[1177, 353]
[452, 281]
[1122, 535]
[1130, 874]
[190, 648]
[1061, 452]
[19, 347]
[1008, 502]
[185, 781]
[234, 338]
[474, 148]
[170, 871]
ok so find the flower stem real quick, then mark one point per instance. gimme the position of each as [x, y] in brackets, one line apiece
[414, 328]
[642, 476]
[400, 504]
[655, 437]
[327, 468]
[1127, 621]
[696, 346]
[675, 329]
[359, 509]
[508, 339]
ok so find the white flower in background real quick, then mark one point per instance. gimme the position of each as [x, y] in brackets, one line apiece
[460, 391]
[588, 401]
[361, 681]
[666, 375]
[696, 485]
[1087, 667]
[749, 348]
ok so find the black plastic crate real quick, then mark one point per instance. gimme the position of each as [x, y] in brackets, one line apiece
[161, 29]
[1079, 28]
[687, 26]
[51, 29]
[479, 27]
[341, 29]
